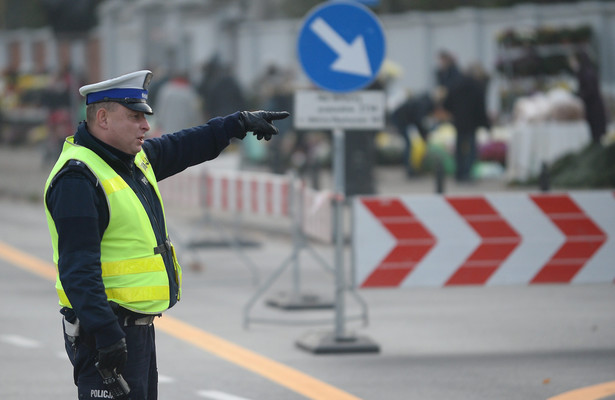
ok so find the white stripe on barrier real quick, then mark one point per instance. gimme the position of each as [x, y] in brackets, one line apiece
[529, 222]
[317, 214]
[455, 240]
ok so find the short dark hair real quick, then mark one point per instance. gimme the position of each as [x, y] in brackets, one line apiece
[92, 109]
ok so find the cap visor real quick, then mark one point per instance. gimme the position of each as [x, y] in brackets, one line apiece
[142, 107]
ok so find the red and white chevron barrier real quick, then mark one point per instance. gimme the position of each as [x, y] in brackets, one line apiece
[491, 239]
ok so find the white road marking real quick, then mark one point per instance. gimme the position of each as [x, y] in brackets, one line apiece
[215, 395]
[165, 379]
[20, 341]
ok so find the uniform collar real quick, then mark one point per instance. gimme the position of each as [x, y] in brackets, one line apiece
[112, 156]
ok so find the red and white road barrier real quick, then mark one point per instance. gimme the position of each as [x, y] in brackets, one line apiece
[184, 190]
[491, 239]
[250, 194]
[247, 192]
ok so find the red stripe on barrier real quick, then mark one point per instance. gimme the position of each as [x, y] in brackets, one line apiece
[498, 240]
[583, 238]
[269, 197]
[210, 191]
[254, 195]
[414, 241]
[239, 194]
[284, 198]
[224, 194]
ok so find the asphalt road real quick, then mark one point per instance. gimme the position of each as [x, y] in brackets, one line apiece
[508, 343]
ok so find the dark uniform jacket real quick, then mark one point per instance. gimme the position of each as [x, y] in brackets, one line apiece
[79, 209]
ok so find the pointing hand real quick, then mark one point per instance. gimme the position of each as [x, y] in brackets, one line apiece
[260, 122]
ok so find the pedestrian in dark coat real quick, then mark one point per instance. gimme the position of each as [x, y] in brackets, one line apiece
[411, 113]
[589, 92]
[466, 102]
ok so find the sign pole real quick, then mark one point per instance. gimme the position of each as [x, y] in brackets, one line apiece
[338, 341]
[341, 48]
[339, 172]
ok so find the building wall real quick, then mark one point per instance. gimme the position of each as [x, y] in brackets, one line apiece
[184, 35]
[413, 39]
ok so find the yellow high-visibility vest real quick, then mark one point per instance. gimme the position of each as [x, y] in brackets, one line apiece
[134, 276]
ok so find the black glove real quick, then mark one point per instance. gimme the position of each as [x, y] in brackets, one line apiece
[259, 123]
[113, 357]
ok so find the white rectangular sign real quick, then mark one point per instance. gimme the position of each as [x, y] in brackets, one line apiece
[316, 109]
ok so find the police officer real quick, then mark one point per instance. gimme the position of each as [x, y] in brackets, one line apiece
[117, 268]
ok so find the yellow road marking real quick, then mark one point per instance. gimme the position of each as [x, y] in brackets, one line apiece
[594, 392]
[279, 373]
[27, 262]
[272, 370]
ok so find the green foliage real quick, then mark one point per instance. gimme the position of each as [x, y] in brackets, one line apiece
[592, 167]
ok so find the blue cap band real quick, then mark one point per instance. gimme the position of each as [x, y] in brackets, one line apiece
[116, 94]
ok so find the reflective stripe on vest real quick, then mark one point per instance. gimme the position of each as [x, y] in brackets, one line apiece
[133, 275]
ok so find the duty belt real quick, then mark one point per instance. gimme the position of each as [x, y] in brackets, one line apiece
[131, 320]
[127, 318]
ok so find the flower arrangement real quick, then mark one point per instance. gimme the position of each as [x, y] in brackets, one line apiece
[545, 35]
[539, 52]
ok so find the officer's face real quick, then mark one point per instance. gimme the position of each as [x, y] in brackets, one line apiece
[127, 129]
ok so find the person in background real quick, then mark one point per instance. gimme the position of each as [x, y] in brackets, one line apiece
[221, 92]
[275, 92]
[589, 91]
[411, 114]
[448, 74]
[116, 266]
[179, 104]
[59, 122]
[465, 101]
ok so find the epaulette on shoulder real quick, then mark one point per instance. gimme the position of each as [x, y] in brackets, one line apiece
[76, 166]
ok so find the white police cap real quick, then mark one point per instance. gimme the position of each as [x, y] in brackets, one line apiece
[129, 90]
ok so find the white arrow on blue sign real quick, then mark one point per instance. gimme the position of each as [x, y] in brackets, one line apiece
[341, 46]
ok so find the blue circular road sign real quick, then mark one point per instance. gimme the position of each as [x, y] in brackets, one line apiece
[341, 46]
